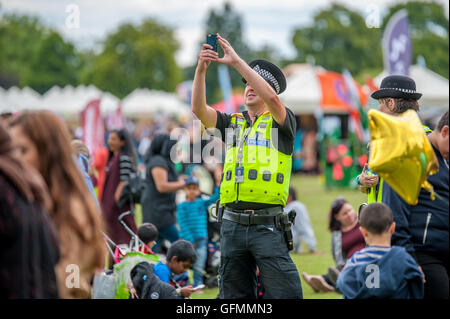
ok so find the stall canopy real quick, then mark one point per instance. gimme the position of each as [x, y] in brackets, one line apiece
[145, 101]
[312, 88]
[433, 87]
[70, 101]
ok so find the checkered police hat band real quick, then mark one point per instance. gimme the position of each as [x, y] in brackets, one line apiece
[399, 89]
[268, 77]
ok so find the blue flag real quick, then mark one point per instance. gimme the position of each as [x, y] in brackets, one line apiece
[225, 86]
[397, 48]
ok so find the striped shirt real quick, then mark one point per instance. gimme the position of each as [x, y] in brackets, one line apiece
[126, 167]
[368, 255]
[192, 217]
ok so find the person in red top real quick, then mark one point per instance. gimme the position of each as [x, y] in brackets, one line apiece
[100, 162]
[346, 239]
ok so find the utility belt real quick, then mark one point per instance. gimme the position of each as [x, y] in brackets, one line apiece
[267, 216]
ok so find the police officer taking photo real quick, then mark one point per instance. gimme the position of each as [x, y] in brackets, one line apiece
[255, 184]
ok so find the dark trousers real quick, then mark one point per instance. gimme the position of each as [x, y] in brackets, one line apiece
[245, 247]
[436, 270]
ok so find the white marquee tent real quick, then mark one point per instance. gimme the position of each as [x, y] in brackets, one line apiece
[303, 92]
[70, 101]
[145, 101]
[433, 87]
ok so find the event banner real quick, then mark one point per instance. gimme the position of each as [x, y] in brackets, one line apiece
[397, 48]
[92, 124]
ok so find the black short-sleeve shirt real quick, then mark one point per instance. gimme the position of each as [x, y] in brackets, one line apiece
[159, 208]
[286, 135]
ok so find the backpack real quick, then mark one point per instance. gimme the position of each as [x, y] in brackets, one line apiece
[133, 190]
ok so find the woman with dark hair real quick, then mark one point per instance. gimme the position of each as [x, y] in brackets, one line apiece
[43, 142]
[346, 239]
[162, 181]
[30, 249]
[121, 164]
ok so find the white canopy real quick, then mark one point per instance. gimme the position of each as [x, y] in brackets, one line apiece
[70, 101]
[433, 87]
[303, 92]
[145, 101]
[15, 99]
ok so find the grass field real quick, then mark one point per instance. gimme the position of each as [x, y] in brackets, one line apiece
[310, 191]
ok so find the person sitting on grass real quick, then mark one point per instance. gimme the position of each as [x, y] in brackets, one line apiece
[346, 239]
[379, 270]
[148, 233]
[302, 229]
[180, 258]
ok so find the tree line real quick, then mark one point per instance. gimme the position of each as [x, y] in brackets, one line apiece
[143, 54]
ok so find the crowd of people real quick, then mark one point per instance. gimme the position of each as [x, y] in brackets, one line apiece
[60, 203]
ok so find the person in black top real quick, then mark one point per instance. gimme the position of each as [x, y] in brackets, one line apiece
[423, 229]
[162, 181]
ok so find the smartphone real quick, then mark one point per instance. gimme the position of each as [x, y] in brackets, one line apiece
[199, 287]
[211, 39]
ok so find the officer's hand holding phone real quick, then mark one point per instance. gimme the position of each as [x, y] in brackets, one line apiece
[208, 52]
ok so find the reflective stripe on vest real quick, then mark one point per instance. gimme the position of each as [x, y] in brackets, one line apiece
[267, 171]
[376, 193]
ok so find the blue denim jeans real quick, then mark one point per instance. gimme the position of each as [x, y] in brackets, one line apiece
[201, 248]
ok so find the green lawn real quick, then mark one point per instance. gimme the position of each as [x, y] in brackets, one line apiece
[310, 191]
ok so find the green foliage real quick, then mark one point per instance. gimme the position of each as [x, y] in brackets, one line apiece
[143, 55]
[429, 33]
[339, 39]
[33, 55]
[228, 23]
[136, 56]
[19, 41]
[55, 61]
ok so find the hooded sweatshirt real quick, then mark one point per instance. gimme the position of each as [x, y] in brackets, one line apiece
[382, 273]
[148, 285]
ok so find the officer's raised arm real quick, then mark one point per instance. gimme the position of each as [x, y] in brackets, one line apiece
[262, 88]
[206, 114]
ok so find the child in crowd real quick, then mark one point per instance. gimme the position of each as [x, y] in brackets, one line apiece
[192, 217]
[379, 270]
[148, 233]
[180, 258]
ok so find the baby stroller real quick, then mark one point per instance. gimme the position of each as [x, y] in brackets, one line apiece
[213, 256]
[212, 264]
[112, 284]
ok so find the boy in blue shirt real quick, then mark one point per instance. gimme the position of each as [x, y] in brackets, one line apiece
[180, 258]
[192, 217]
[379, 270]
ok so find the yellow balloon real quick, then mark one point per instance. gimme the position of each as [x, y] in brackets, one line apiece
[401, 153]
